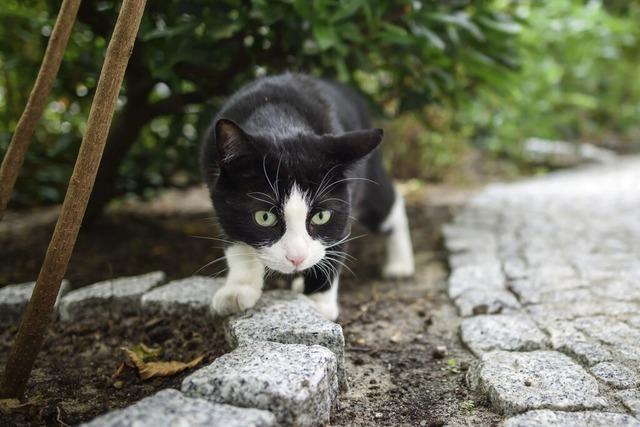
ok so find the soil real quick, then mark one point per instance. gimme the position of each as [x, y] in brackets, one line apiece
[72, 379]
[405, 363]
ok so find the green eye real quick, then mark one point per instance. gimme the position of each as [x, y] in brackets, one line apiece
[265, 219]
[321, 217]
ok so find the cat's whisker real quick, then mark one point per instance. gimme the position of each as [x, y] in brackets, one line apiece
[343, 254]
[333, 184]
[347, 240]
[213, 238]
[261, 200]
[342, 264]
[322, 183]
[336, 200]
[215, 276]
[340, 254]
[217, 260]
[264, 168]
[268, 196]
[326, 270]
[277, 177]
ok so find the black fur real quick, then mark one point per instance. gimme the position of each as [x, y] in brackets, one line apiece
[295, 128]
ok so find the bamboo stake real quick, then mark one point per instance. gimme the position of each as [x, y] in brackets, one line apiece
[38, 313]
[26, 126]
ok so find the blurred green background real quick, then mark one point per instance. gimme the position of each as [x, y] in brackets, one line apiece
[449, 81]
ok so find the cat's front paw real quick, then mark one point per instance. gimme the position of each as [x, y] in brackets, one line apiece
[398, 270]
[234, 299]
[297, 285]
[327, 307]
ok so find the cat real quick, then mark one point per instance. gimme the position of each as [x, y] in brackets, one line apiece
[290, 160]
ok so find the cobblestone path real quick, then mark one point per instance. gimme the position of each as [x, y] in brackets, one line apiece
[546, 273]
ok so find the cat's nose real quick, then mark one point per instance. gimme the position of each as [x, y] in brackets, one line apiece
[296, 260]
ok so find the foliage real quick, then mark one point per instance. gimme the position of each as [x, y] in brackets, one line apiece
[578, 79]
[429, 144]
[450, 74]
[190, 53]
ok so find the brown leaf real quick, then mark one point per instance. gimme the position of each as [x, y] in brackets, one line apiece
[118, 372]
[146, 353]
[160, 369]
[396, 337]
[10, 406]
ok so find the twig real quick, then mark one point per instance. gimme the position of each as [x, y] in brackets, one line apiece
[38, 313]
[26, 126]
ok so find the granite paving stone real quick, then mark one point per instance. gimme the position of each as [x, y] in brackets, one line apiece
[516, 382]
[501, 332]
[568, 246]
[190, 295]
[547, 418]
[297, 383]
[615, 375]
[566, 338]
[14, 299]
[479, 301]
[484, 276]
[288, 318]
[170, 408]
[631, 400]
[118, 297]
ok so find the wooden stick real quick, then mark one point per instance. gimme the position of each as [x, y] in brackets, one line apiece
[38, 313]
[26, 126]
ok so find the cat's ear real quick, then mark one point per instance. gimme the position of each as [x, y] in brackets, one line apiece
[231, 141]
[352, 146]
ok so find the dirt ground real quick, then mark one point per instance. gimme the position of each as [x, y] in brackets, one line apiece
[72, 380]
[405, 362]
[399, 373]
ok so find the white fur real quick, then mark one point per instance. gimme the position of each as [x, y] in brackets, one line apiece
[297, 284]
[243, 286]
[296, 241]
[327, 302]
[400, 261]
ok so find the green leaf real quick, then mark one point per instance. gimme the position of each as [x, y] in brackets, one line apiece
[459, 19]
[169, 32]
[429, 35]
[506, 27]
[325, 35]
[342, 70]
[347, 9]
[395, 34]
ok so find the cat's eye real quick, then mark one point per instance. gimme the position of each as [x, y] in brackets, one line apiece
[321, 217]
[265, 218]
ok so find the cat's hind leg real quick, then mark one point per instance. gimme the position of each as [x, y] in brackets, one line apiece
[243, 286]
[400, 262]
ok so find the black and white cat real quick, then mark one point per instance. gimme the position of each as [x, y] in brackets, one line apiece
[290, 161]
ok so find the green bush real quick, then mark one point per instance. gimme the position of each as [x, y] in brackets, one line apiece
[578, 79]
[403, 55]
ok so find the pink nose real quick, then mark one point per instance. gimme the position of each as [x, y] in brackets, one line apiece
[296, 260]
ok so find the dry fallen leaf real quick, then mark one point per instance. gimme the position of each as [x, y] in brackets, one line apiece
[160, 369]
[10, 406]
[146, 353]
[118, 372]
[396, 337]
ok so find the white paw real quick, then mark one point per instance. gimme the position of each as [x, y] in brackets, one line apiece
[297, 285]
[234, 299]
[328, 308]
[398, 270]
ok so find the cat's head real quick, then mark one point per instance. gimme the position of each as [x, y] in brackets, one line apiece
[287, 198]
